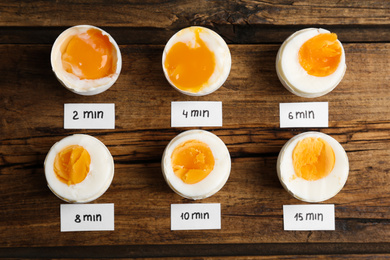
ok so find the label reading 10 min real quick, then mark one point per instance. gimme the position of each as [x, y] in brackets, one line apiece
[195, 216]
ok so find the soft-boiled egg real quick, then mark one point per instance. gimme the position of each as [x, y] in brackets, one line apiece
[196, 61]
[313, 166]
[86, 59]
[79, 168]
[196, 164]
[311, 62]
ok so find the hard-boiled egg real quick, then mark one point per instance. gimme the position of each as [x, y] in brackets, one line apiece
[313, 167]
[196, 164]
[311, 62]
[86, 59]
[79, 168]
[196, 61]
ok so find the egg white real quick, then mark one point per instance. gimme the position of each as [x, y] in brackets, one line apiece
[73, 83]
[294, 77]
[313, 191]
[216, 44]
[98, 179]
[217, 177]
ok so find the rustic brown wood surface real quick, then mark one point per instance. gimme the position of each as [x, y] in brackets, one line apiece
[32, 100]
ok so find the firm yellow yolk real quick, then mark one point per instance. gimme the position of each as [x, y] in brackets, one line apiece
[192, 161]
[89, 55]
[320, 56]
[313, 159]
[190, 67]
[71, 164]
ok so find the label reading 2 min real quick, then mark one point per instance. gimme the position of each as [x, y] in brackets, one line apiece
[89, 116]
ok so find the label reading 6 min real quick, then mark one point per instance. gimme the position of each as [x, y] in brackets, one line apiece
[305, 114]
[89, 116]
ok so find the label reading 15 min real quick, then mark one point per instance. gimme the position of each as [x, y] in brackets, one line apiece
[309, 217]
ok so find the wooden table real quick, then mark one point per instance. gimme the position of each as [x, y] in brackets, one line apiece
[32, 107]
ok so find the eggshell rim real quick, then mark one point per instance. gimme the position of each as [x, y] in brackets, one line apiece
[289, 86]
[224, 76]
[308, 134]
[97, 194]
[69, 85]
[186, 135]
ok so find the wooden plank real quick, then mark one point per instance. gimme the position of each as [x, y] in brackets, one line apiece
[225, 251]
[236, 34]
[170, 14]
[32, 107]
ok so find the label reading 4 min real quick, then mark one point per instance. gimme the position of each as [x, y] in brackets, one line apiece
[89, 116]
[196, 113]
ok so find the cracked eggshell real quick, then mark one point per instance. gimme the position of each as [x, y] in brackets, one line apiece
[86, 87]
[216, 44]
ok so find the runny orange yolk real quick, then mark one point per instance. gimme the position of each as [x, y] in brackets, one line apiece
[89, 55]
[190, 67]
[192, 161]
[71, 164]
[320, 56]
[313, 159]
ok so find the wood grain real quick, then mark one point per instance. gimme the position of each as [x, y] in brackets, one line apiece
[31, 106]
[252, 200]
[176, 14]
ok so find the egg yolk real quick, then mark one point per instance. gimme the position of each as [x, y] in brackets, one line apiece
[313, 159]
[192, 161]
[89, 55]
[320, 56]
[190, 67]
[71, 164]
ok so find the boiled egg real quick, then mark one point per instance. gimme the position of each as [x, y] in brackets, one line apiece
[313, 166]
[86, 59]
[196, 61]
[79, 168]
[196, 164]
[311, 62]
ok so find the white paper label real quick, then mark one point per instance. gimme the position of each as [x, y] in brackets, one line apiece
[309, 217]
[87, 217]
[195, 216]
[196, 113]
[307, 114]
[89, 116]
